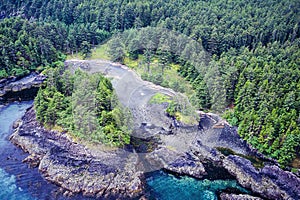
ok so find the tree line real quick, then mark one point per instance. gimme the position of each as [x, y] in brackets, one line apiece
[27, 46]
[219, 24]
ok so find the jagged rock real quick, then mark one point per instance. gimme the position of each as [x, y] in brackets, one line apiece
[16, 124]
[187, 166]
[207, 154]
[225, 196]
[182, 164]
[6, 81]
[11, 88]
[33, 160]
[269, 182]
[77, 168]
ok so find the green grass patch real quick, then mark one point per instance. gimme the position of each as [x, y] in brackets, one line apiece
[169, 78]
[133, 64]
[100, 52]
[74, 56]
[187, 119]
[160, 98]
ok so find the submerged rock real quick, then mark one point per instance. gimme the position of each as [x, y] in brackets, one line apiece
[109, 173]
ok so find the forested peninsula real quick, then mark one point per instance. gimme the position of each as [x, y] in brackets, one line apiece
[239, 59]
[255, 47]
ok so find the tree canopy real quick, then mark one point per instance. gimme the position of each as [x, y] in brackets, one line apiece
[85, 106]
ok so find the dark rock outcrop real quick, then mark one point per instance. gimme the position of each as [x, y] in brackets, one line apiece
[102, 173]
[12, 89]
[270, 182]
[117, 173]
[181, 164]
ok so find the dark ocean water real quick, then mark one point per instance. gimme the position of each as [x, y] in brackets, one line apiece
[19, 182]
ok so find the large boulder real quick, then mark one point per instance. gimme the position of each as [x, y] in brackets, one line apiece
[179, 163]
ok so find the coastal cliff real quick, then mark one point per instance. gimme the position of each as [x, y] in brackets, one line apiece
[270, 182]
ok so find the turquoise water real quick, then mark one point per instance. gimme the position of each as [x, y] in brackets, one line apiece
[18, 182]
[8, 181]
[165, 186]
[9, 188]
[8, 114]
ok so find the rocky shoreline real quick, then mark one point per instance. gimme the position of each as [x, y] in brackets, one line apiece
[201, 159]
[158, 142]
[13, 88]
[108, 174]
[270, 182]
[119, 173]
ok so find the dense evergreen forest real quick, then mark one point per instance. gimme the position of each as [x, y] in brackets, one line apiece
[253, 46]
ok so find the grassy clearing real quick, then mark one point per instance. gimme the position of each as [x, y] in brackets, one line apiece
[160, 98]
[74, 56]
[100, 52]
[166, 76]
[169, 78]
[187, 119]
[134, 64]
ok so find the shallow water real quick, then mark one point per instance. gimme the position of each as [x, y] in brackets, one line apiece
[19, 182]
